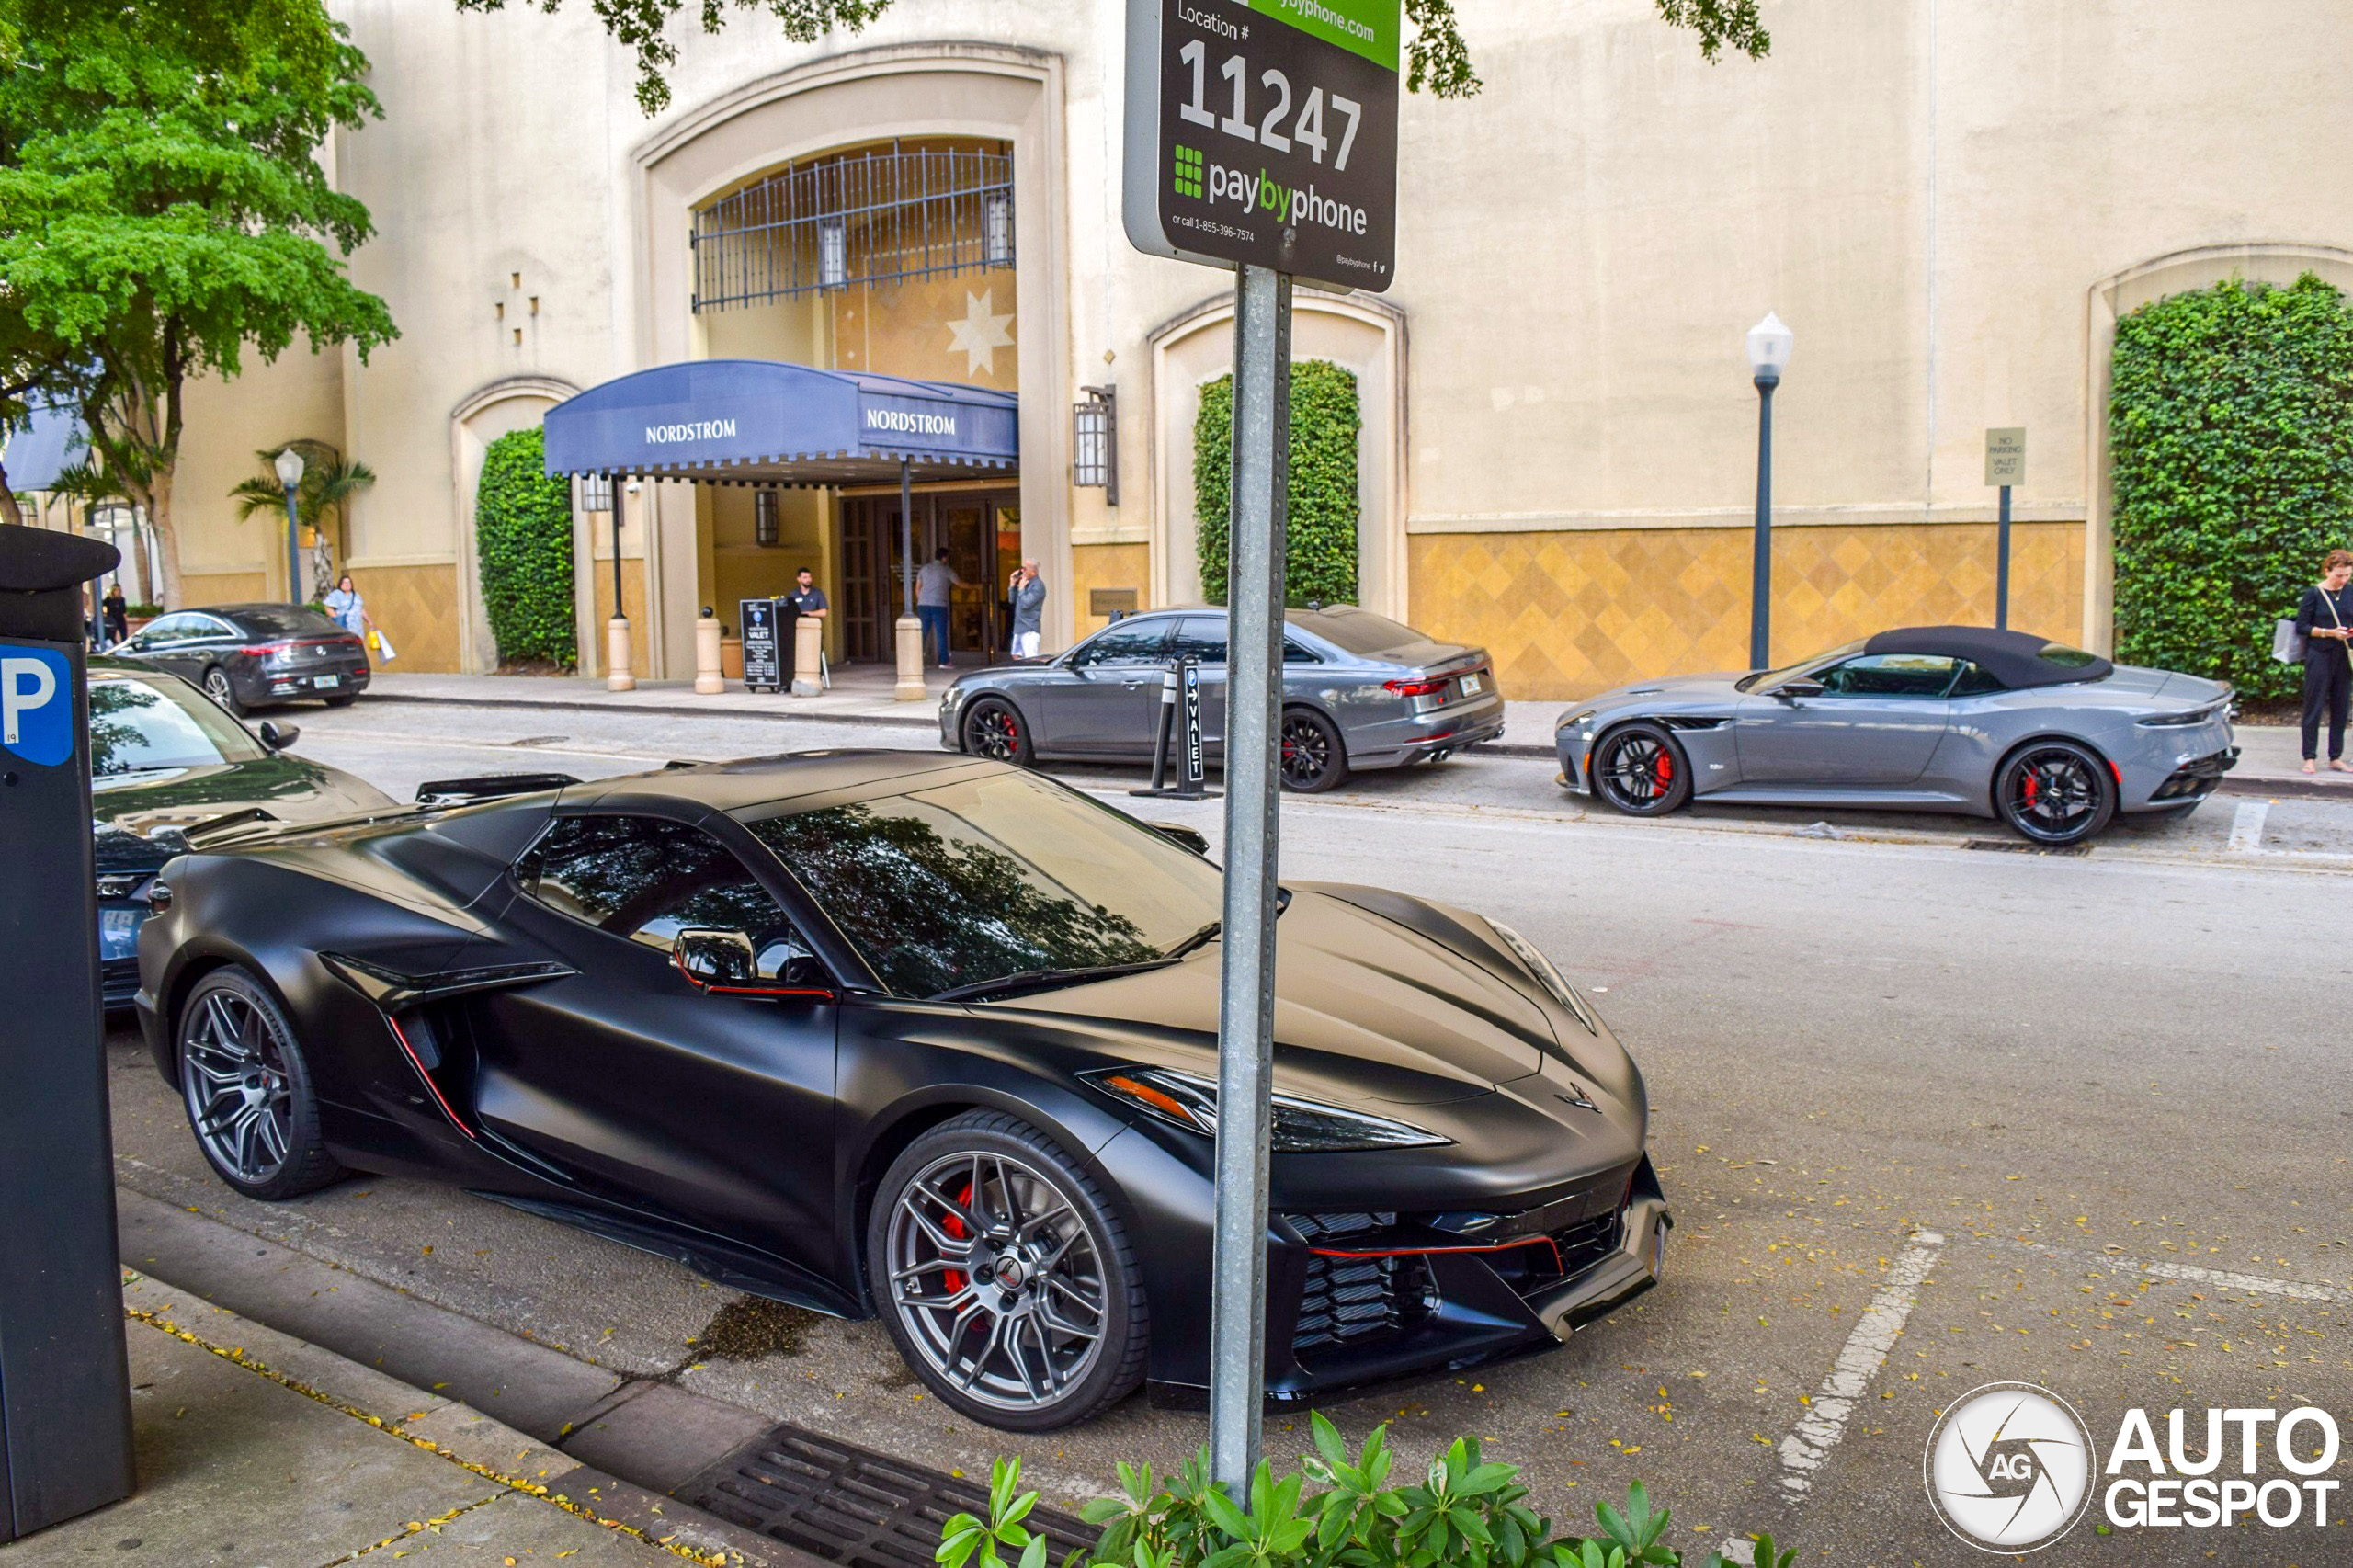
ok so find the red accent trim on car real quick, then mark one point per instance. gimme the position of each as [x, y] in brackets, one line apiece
[679, 963]
[415, 1060]
[1558, 1262]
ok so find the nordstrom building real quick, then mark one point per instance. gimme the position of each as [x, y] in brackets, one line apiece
[1950, 203]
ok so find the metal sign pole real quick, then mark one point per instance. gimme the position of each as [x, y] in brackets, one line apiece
[2002, 567]
[1246, 1000]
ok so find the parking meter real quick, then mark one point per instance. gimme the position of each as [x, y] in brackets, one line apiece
[65, 1387]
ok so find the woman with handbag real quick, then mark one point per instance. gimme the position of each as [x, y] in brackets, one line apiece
[2324, 620]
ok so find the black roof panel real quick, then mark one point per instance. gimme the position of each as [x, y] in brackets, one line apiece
[758, 781]
[2017, 659]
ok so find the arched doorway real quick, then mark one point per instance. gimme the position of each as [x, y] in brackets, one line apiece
[513, 402]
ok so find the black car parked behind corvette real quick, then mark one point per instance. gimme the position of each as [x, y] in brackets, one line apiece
[254, 655]
[934, 1040]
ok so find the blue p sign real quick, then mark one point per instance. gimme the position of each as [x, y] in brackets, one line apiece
[36, 705]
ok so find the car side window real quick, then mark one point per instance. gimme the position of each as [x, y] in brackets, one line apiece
[648, 878]
[1975, 681]
[1298, 653]
[1144, 643]
[166, 629]
[1202, 638]
[1920, 675]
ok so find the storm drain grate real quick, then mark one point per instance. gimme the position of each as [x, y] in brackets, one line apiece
[2020, 846]
[849, 1505]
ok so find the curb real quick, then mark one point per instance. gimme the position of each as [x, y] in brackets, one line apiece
[660, 711]
[624, 1489]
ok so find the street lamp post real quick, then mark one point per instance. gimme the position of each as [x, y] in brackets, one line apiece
[288, 465]
[1769, 351]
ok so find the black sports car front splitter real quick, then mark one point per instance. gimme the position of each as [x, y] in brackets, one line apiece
[1365, 1298]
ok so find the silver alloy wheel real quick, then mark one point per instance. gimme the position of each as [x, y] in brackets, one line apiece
[997, 1280]
[217, 686]
[240, 1097]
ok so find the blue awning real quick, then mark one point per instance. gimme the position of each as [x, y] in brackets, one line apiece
[763, 422]
[52, 440]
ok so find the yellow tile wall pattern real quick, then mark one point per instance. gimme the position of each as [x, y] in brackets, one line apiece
[416, 606]
[1570, 614]
[1105, 566]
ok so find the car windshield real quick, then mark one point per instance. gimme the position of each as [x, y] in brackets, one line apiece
[137, 725]
[1358, 631]
[1765, 680]
[282, 620]
[947, 888]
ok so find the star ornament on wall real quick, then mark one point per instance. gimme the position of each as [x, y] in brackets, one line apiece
[981, 334]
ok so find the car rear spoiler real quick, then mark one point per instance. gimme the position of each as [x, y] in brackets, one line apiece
[488, 787]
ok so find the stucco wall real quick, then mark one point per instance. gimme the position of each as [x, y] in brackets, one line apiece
[1930, 191]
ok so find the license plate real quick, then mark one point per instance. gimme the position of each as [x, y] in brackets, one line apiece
[323, 682]
[119, 933]
[1469, 686]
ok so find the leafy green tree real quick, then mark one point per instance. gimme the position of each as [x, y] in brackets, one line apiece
[1320, 514]
[1436, 59]
[163, 212]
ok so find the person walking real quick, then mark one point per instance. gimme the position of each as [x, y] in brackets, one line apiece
[2325, 618]
[1027, 593]
[936, 587]
[114, 614]
[350, 610]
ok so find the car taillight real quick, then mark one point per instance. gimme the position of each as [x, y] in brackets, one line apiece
[1414, 687]
[270, 650]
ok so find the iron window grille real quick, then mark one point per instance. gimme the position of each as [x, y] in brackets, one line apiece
[764, 530]
[881, 215]
[1095, 442]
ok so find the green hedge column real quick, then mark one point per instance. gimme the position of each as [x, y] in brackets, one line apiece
[1321, 536]
[523, 538]
[2231, 436]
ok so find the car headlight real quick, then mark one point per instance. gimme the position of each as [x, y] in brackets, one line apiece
[1575, 720]
[1301, 1127]
[1545, 970]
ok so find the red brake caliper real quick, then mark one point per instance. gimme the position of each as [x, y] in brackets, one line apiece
[1665, 769]
[954, 1277]
[2033, 789]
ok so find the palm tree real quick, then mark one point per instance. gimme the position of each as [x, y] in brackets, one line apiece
[329, 481]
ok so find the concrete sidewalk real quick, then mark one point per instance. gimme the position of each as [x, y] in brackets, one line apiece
[2270, 761]
[256, 1448]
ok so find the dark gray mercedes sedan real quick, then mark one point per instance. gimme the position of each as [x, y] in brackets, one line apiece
[1359, 692]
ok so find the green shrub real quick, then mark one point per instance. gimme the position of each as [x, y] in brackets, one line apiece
[1464, 1511]
[2231, 436]
[1320, 539]
[523, 538]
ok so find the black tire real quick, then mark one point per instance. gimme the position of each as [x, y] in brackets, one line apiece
[345, 700]
[1640, 769]
[1315, 759]
[993, 728]
[218, 686]
[2055, 791]
[246, 1088]
[925, 1207]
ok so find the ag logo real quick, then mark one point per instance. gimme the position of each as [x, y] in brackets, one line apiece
[2010, 1468]
[36, 705]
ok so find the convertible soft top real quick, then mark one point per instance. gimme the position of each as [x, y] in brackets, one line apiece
[2017, 659]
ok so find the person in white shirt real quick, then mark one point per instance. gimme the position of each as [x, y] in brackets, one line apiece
[933, 592]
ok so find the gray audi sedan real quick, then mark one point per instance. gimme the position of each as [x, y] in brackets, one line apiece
[1359, 692]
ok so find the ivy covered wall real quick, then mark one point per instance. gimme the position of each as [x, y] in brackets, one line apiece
[523, 541]
[1321, 537]
[2231, 441]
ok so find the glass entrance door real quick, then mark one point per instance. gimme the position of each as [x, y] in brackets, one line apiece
[966, 524]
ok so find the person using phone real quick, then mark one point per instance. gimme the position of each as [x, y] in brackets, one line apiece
[2324, 618]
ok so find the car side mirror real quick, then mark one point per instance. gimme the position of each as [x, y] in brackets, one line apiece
[724, 963]
[713, 959]
[1181, 836]
[1790, 689]
[278, 736]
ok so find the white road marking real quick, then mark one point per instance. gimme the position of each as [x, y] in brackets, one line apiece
[2246, 828]
[1808, 1445]
[2158, 1269]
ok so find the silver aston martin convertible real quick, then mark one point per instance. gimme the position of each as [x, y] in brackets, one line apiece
[2052, 739]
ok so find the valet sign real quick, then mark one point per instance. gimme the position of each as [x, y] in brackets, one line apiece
[1265, 132]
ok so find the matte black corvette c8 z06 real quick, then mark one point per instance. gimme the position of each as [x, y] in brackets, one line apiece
[932, 1040]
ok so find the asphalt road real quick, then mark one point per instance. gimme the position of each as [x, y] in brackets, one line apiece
[2078, 1122]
